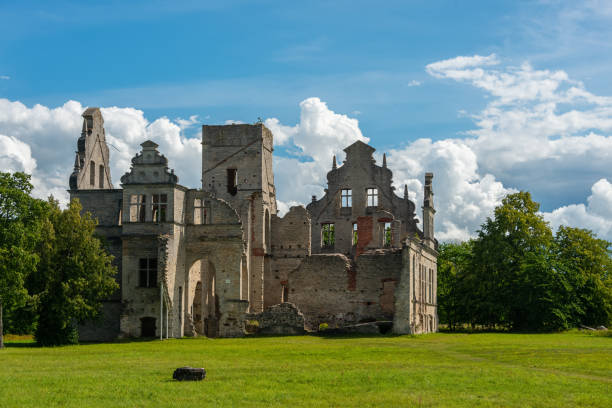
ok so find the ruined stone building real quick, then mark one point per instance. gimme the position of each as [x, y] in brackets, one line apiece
[203, 261]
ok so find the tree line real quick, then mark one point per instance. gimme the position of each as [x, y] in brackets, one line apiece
[54, 271]
[517, 275]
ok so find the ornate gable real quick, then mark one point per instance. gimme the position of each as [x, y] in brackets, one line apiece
[149, 167]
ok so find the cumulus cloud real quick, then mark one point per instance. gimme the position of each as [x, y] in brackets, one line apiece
[15, 155]
[540, 131]
[463, 196]
[320, 134]
[596, 215]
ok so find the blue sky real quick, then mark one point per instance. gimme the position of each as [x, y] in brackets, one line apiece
[240, 60]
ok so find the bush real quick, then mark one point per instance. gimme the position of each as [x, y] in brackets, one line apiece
[323, 326]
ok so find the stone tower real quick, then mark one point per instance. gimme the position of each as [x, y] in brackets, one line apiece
[428, 211]
[91, 163]
[237, 168]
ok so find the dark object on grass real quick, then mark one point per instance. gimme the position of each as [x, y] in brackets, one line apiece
[189, 374]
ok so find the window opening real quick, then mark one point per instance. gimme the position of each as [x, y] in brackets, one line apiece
[138, 207]
[147, 270]
[200, 212]
[101, 176]
[160, 206]
[355, 234]
[92, 173]
[327, 238]
[232, 181]
[347, 197]
[387, 234]
[372, 194]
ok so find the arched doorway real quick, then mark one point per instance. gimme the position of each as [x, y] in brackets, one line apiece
[204, 304]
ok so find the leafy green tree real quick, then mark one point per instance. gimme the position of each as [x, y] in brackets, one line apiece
[20, 216]
[454, 262]
[74, 275]
[511, 264]
[586, 265]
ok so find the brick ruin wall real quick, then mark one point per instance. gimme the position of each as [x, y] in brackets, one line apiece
[290, 245]
[329, 288]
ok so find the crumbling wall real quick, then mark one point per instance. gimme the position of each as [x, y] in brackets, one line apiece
[290, 244]
[330, 289]
[284, 318]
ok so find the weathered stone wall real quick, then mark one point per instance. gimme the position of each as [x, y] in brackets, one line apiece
[284, 318]
[330, 289]
[247, 150]
[416, 294]
[290, 245]
[358, 173]
[103, 205]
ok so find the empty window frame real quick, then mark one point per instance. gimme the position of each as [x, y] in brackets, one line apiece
[92, 173]
[327, 235]
[138, 207]
[232, 181]
[431, 286]
[200, 212]
[284, 293]
[101, 176]
[147, 272]
[372, 197]
[160, 207]
[355, 234]
[346, 195]
[387, 234]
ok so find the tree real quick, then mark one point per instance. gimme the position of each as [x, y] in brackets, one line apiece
[454, 261]
[74, 275]
[20, 216]
[586, 265]
[511, 257]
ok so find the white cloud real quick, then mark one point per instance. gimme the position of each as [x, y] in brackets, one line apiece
[320, 134]
[463, 196]
[5, 77]
[540, 131]
[454, 67]
[596, 215]
[233, 122]
[187, 123]
[15, 155]
[414, 82]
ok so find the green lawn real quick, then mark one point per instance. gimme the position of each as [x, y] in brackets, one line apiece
[491, 369]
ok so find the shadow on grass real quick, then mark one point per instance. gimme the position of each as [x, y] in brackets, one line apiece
[33, 344]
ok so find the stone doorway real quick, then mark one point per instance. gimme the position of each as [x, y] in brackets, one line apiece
[147, 327]
[203, 299]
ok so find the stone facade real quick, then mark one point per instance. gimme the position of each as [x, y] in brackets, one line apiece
[203, 261]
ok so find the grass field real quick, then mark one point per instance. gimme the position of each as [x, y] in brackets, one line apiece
[489, 369]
